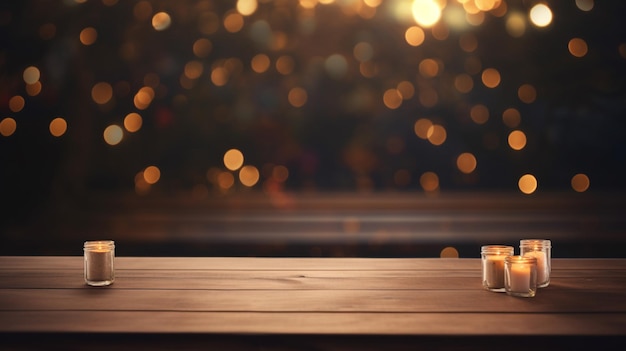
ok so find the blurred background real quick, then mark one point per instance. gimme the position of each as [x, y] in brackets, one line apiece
[312, 127]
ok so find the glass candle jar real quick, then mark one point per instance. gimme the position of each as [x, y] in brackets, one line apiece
[99, 262]
[520, 276]
[492, 257]
[541, 250]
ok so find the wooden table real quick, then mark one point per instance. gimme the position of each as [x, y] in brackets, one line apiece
[311, 303]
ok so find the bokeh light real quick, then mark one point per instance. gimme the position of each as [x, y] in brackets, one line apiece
[392, 98]
[466, 162]
[429, 68]
[58, 127]
[16, 103]
[426, 12]
[585, 5]
[449, 252]
[336, 66]
[511, 117]
[436, 134]
[143, 98]
[151, 174]
[225, 180]
[233, 159]
[233, 22]
[527, 184]
[31, 75]
[161, 21]
[297, 97]
[406, 89]
[101, 93]
[517, 140]
[7, 126]
[141, 186]
[285, 65]
[577, 47]
[249, 175]
[429, 181]
[193, 69]
[34, 89]
[516, 24]
[541, 15]
[414, 36]
[491, 77]
[580, 182]
[202, 47]
[88, 36]
[302, 84]
[468, 42]
[133, 122]
[219, 76]
[527, 93]
[113, 134]
[142, 10]
[260, 63]
[479, 114]
[422, 127]
[247, 7]
[464, 83]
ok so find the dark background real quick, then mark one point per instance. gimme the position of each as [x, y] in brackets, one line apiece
[343, 149]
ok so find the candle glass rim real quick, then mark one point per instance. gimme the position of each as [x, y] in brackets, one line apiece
[496, 249]
[520, 259]
[98, 244]
[536, 242]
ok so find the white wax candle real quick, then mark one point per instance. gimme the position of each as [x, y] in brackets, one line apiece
[519, 278]
[543, 271]
[99, 265]
[494, 271]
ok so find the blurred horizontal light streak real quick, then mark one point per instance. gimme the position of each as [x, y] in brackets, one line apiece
[449, 228]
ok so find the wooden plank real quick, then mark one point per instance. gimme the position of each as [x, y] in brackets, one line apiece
[473, 299]
[299, 280]
[306, 296]
[474, 324]
[35, 276]
[248, 263]
[246, 281]
[13, 263]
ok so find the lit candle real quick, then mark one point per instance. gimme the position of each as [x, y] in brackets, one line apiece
[520, 276]
[541, 250]
[493, 266]
[494, 271]
[99, 265]
[543, 273]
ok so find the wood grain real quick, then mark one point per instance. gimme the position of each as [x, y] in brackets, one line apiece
[446, 324]
[338, 296]
[473, 299]
[298, 279]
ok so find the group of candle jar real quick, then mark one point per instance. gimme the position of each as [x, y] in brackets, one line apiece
[502, 270]
[517, 275]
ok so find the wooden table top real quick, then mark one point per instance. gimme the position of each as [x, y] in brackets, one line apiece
[307, 296]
